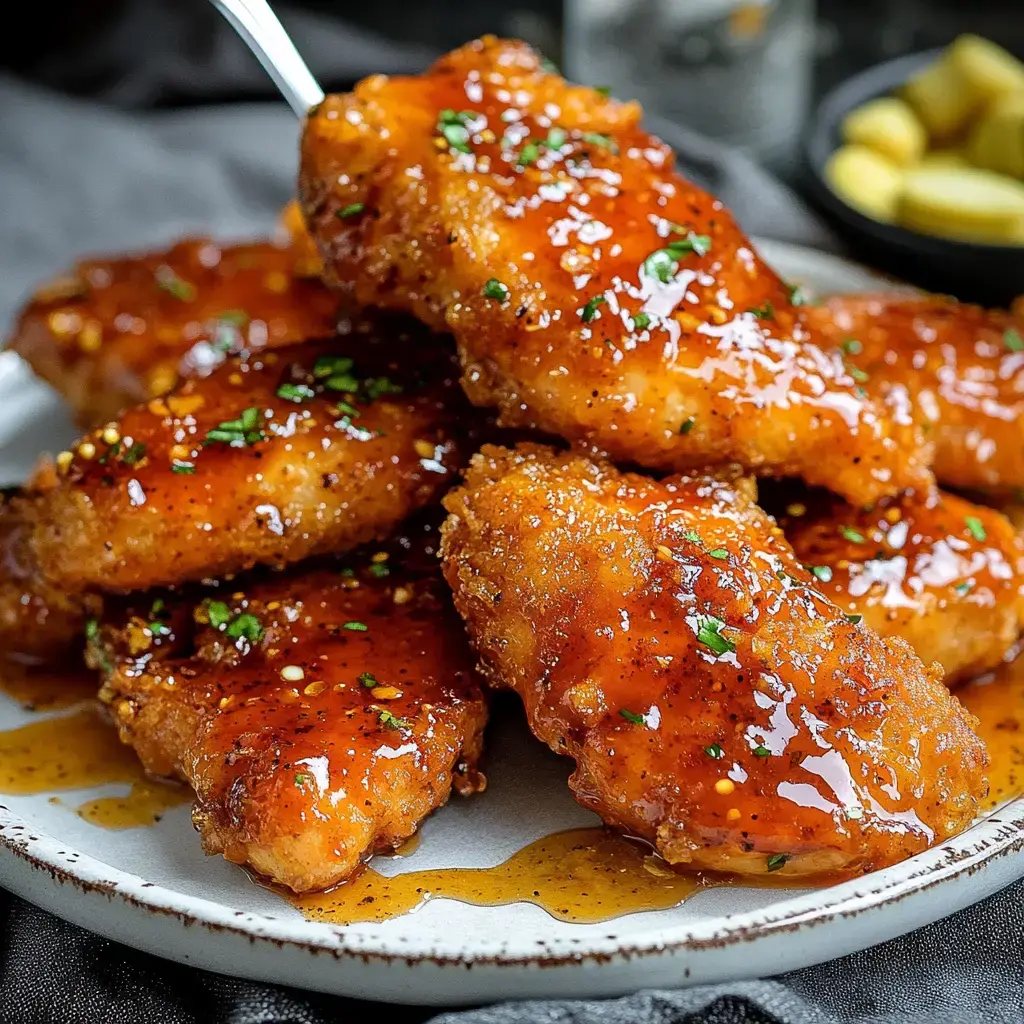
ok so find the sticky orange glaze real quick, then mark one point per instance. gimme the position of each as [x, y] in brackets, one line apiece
[939, 571]
[715, 702]
[594, 292]
[960, 367]
[348, 718]
[117, 331]
[293, 224]
[186, 487]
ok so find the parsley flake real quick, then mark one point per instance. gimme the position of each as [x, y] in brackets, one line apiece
[295, 392]
[975, 527]
[390, 721]
[854, 619]
[590, 309]
[852, 347]
[761, 751]
[352, 210]
[378, 570]
[663, 263]
[797, 296]
[452, 126]
[858, 374]
[715, 751]
[185, 468]
[821, 572]
[169, 281]
[718, 553]
[708, 634]
[776, 861]
[494, 289]
[529, 154]
[218, 613]
[367, 679]
[556, 138]
[765, 312]
[355, 627]
[301, 778]
[641, 321]
[1012, 340]
[687, 425]
[245, 430]
[135, 454]
[852, 535]
[603, 90]
[965, 587]
[691, 535]
[600, 140]
[245, 626]
[632, 717]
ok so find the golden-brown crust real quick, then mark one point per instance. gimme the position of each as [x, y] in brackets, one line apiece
[235, 470]
[943, 573]
[716, 703]
[117, 331]
[302, 778]
[537, 224]
[960, 368]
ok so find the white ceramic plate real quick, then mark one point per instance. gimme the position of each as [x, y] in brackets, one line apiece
[153, 889]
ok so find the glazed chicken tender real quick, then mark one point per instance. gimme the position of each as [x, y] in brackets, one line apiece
[594, 293]
[941, 572]
[319, 715]
[115, 332]
[960, 366]
[714, 701]
[314, 449]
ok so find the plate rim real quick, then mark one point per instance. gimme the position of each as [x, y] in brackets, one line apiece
[1000, 834]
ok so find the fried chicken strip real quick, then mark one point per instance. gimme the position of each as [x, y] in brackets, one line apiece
[942, 573]
[269, 460]
[319, 715]
[714, 701]
[594, 292]
[115, 332]
[960, 367]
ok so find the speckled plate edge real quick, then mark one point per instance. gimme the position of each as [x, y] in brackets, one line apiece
[799, 931]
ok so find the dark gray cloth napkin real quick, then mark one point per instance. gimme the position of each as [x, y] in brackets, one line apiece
[75, 178]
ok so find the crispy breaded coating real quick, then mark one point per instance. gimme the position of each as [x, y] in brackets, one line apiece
[942, 573]
[960, 368]
[115, 332]
[269, 460]
[36, 617]
[594, 292]
[715, 702]
[319, 714]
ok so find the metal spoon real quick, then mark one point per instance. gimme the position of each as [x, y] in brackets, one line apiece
[257, 24]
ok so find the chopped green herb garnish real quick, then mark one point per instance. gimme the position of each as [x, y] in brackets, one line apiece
[708, 634]
[662, 263]
[761, 751]
[641, 321]
[687, 425]
[218, 613]
[244, 430]
[390, 721]
[367, 679]
[330, 366]
[548, 66]
[852, 347]
[590, 309]
[852, 535]
[234, 317]
[632, 717]
[715, 751]
[295, 392]
[355, 627]
[301, 779]
[378, 570]
[1012, 340]
[556, 138]
[797, 297]
[245, 626]
[718, 553]
[776, 860]
[174, 285]
[965, 587]
[185, 468]
[765, 312]
[452, 126]
[111, 453]
[92, 630]
[494, 289]
[352, 210]
[599, 140]
[529, 154]
[374, 387]
[975, 527]
[603, 90]
[691, 535]
[135, 454]
[821, 572]
[853, 618]
[858, 374]
[348, 572]
[92, 636]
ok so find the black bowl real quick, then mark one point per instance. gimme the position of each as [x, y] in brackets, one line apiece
[990, 274]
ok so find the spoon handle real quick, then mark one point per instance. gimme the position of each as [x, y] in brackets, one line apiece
[257, 24]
